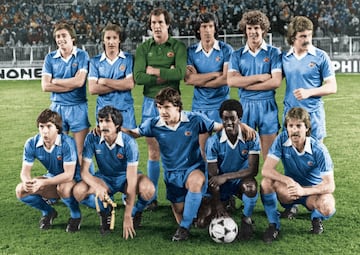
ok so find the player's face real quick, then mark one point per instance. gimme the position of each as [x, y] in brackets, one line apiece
[63, 39]
[254, 34]
[207, 31]
[303, 40]
[169, 113]
[231, 122]
[48, 132]
[108, 129]
[159, 28]
[296, 130]
[111, 41]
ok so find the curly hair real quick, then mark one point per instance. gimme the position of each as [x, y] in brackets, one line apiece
[114, 114]
[255, 18]
[298, 24]
[231, 105]
[171, 95]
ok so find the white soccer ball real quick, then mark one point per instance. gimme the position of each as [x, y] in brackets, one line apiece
[223, 230]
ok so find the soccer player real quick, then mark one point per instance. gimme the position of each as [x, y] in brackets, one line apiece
[64, 75]
[159, 62]
[256, 70]
[309, 75]
[177, 133]
[207, 66]
[110, 76]
[57, 153]
[233, 163]
[117, 157]
[308, 177]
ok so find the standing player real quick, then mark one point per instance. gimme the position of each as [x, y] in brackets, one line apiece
[233, 163]
[177, 133]
[159, 62]
[256, 70]
[308, 177]
[117, 156]
[57, 153]
[207, 67]
[110, 76]
[309, 75]
[64, 75]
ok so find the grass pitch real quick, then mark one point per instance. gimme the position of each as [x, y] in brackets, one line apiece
[22, 101]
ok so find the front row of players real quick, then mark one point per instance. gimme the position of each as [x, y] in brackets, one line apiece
[232, 164]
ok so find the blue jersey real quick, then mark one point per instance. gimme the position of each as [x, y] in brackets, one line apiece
[230, 157]
[121, 68]
[209, 98]
[179, 146]
[266, 61]
[307, 72]
[306, 168]
[59, 68]
[64, 152]
[111, 160]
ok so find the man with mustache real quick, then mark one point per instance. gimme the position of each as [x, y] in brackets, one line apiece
[309, 76]
[159, 62]
[256, 70]
[117, 156]
[308, 177]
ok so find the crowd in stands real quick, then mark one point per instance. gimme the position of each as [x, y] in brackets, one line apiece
[30, 22]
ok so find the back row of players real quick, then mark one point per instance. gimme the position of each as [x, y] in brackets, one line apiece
[183, 139]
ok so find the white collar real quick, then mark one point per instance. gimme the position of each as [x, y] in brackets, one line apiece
[73, 52]
[263, 46]
[224, 138]
[307, 147]
[183, 118]
[120, 55]
[216, 46]
[311, 50]
[119, 141]
[57, 141]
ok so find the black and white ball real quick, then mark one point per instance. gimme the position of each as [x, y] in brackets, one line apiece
[223, 230]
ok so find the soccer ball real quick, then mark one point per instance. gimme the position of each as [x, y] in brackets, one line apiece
[223, 230]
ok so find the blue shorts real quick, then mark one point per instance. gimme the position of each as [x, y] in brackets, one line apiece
[261, 115]
[128, 115]
[229, 189]
[77, 176]
[74, 117]
[175, 185]
[149, 109]
[300, 201]
[318, 124]
[114, 183]
[211, 114]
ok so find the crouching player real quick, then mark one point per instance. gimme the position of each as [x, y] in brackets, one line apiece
[233, 163]
[117, 157]
[308, 177]
[57, 153]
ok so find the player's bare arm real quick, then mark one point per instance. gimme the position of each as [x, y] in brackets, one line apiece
[329, 87]
[133, 132]
[194, 78]
[273, 83]
[132, 180]
[215, 190]
[236, 80]
[106, 85]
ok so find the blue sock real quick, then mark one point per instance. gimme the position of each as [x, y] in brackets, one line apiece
[316, 214]
[249, 204]
[191, 207]
[90, 202]
[37, 202]
[140, 205]
[270, 205]
[153, 172]
[73, 205]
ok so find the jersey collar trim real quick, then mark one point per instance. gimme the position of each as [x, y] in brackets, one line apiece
[119, 141]
[263, 46]
[307, 147]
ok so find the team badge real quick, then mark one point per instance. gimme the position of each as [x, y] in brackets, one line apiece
[217, 59]
[311, 64]
[266, 60]
[122, 68]
[74, 65]
[244, 152]
[120, 156]
[310, 163]
[187, 133]
[170, 54]
[59, 157]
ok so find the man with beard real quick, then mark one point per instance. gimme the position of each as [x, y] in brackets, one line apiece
[233, 163]
[308, 177]
[159, 62]
[256, 70]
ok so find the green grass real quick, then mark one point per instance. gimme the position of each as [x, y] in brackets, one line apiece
[21, 102]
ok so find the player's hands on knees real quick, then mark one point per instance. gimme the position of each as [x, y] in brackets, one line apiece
[128, 228]
[217, 181]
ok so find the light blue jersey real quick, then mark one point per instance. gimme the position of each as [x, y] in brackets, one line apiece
[121, 68]
[266, 61]
[179, 146]
[112, 160]
[307, 72]
[209, 98]
[64, 152]
[230, 157]
[60, 68]
[306, 168]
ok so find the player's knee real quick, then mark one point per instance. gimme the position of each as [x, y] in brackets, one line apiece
[266, 185]
[146, 188]
[326, 205]
[249, 187]
[19, 190]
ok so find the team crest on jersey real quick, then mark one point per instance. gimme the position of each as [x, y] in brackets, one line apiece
[217, 59]
[170, 54]
[59, 157]
[266, 60]
[244, 152]
[311, 64]
[74, 64]
[187, 133]
[120, 156]
[310, 163]
[122, 68]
